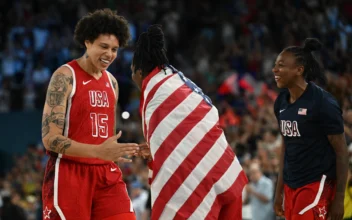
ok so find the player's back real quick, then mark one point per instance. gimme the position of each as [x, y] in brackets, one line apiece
[192, 161]
[90, 113]
[305, 125]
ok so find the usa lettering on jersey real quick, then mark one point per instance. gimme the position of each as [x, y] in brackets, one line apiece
[98, 98]
[289, 128]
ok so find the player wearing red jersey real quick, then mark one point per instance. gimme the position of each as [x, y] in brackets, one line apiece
[81, 180]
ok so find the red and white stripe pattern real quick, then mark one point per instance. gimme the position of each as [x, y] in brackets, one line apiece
[194, 171]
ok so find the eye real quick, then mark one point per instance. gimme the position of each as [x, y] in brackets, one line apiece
[104, 47]
[114, 50]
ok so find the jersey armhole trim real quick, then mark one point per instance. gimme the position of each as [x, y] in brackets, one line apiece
[69, 102]
[110, 80]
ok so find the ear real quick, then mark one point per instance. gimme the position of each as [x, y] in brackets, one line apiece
[300, 70]
[87, 43]
[139, 73]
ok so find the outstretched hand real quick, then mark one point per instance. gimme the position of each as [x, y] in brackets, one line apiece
[144, 151]
[111, 150]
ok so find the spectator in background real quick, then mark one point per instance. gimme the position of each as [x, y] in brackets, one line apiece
[11, 211]
[348, 196]
[139, 197]
[260, 193]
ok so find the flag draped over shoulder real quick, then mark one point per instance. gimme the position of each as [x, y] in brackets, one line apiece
[194, 171]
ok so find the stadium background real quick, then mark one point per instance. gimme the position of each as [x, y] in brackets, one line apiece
[227, 47]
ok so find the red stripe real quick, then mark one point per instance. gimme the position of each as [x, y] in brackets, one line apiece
[167, 106]
[197, 196]
[150, 96]
[185, 168]
[235, 191]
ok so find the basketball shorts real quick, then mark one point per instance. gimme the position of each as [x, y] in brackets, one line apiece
[310, 201]
[80, 191]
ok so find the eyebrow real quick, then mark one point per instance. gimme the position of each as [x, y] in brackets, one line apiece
[105, 44]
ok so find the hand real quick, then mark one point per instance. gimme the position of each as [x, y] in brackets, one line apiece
[278, 206]
[112, 151]
[336, 209]
[144, 151]
[249, 189]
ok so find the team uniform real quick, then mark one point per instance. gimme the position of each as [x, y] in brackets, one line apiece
[85, 188]
[194, 173]
[309, 172]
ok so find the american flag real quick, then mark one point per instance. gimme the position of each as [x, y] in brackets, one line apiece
[302, 111]
[194, 171]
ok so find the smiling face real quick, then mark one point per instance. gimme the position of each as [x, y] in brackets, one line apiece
[286, 70]
[103, 51]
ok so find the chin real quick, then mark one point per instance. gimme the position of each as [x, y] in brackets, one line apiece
[280, 85]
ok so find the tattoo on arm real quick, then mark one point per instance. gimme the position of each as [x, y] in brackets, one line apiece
[339, 144]
[59, 144]
[57, 117]
[57, 89]
[114, 84]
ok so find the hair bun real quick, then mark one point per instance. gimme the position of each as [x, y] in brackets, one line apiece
[156, 37]
[312, 44]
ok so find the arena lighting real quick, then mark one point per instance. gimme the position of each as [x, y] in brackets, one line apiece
[125, 115]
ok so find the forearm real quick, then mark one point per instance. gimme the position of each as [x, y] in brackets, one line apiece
[280, 181]
[341, 173]
[63, 145]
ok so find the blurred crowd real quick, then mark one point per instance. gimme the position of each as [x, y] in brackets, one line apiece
[228, 48]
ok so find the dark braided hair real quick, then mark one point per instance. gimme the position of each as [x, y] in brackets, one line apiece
[150, 51]
[304, 57]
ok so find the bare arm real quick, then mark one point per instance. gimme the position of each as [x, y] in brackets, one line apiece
[339, 144]
[280, 181]
[54, 115]
[116, 88]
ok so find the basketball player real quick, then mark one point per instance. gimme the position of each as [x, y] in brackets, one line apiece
[78, 128]
[314, 163]
[194, 172]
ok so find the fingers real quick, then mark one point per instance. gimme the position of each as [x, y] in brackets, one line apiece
[124, 160]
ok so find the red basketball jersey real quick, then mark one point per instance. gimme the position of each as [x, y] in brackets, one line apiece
[90, 113]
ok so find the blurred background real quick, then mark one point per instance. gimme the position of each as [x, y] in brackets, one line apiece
[227, 47]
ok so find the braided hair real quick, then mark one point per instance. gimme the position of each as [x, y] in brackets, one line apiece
[150, 51]
[305, 57]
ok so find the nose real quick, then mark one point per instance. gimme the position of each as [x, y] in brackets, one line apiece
[275, 69]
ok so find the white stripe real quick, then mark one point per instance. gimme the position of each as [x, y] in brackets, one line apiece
[150, 173]
[185, 146]
[110, 80]
[172, 120]
[69, 103]
[56, 189]
[317, 197]
[152, 82]
[194, 178]
[222, 185]
[163, 92]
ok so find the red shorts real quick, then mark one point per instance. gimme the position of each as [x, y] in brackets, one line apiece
[74, 190]
[310, 201]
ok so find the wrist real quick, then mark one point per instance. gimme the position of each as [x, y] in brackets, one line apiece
[94, 151]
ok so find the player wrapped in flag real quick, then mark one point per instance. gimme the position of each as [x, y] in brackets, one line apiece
[194, 173]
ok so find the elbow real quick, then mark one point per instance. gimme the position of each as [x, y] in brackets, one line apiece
[46, 140]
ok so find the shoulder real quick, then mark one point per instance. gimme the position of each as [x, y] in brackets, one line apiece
[62, 75]
[323, 97]
[113, 82]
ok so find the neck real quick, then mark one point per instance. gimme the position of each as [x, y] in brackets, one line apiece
[87, 66]
[297, 90]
